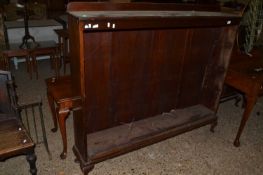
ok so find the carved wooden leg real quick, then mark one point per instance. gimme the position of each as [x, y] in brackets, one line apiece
[62, 115]
[250, 102]
[31, 158]
[53, 111]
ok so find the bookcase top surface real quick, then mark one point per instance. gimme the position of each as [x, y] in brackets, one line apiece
[83, 15]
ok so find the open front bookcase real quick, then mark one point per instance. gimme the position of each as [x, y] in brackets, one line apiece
[145, 72]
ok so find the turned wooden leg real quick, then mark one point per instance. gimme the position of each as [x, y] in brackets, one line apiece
[62, 115]
[53, 111]
[31, 158]
[250, 102]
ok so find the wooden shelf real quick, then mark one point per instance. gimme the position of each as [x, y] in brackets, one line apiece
[127, 137]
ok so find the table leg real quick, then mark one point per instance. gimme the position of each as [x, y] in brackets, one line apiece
[53, 111]
[29, 66]
[62, 115]
[250, 102]
[57, 63]
[31, 158]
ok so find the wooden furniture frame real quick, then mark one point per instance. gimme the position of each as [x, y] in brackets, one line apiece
[245, 74]
[16, 52]
[15, 139]
[61, 102]
[144, 73]
[33, 112]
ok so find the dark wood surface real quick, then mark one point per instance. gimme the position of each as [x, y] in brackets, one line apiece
[246, 75]
[14, 139]
[146, 64]
[115, 141]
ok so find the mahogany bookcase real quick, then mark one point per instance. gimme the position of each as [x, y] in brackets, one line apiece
[144, 72]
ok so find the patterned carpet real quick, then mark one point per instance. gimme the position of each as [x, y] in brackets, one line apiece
[196, 152]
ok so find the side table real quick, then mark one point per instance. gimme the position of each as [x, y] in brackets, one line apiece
[14, 51]
[61, 102]
[49, 48]
[245, 74]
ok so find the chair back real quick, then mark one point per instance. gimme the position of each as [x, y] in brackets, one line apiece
[7, 93]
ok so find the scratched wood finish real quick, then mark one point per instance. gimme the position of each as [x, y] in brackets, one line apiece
[155, 77]
[144, 67]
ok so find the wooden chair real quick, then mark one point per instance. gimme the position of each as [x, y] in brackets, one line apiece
[61, 102]
[32, 116]
[14, 137]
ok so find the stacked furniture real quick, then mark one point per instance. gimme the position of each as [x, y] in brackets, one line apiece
[144, 73]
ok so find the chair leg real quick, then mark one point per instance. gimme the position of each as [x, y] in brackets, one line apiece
[31, 158]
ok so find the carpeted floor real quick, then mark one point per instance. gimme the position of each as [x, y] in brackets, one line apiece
[196, 152]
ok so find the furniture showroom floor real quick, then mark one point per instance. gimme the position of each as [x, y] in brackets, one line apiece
[196, 152]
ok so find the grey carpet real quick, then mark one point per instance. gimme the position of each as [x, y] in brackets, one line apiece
[196, 152]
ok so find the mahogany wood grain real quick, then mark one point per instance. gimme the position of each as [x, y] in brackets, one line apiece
[144, 65]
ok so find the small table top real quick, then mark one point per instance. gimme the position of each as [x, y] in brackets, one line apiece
[61, 89]
[245, 73]
[14, 49]
[31, 23]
